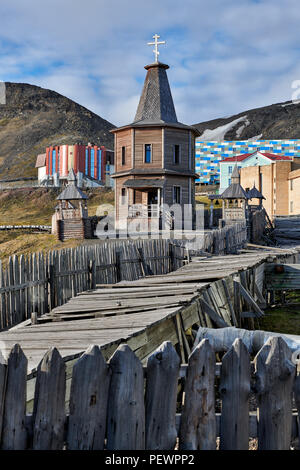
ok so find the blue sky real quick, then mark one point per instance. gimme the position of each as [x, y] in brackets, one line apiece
[225, 56]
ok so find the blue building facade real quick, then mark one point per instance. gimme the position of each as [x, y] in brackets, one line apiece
[209, 154]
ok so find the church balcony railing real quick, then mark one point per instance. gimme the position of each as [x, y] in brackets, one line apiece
[144, 210]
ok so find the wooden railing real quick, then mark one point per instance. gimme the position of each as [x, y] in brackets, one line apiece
[122, 406]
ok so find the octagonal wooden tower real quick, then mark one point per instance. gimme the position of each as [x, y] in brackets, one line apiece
[154, 158]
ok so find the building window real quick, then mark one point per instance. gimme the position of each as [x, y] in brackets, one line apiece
[148, 153]
[229, 181]
[123, 155]
[123, 196]
[291, 185]
[291, 206]
[176, 194]
[176, 154]
[230, 169]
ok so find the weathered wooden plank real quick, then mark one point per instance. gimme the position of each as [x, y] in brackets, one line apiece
[198, 422]
[49, 403]
[235, 391]
[126, 409]
[14, 434]
[274, 384]
[229, 302]
[3, 379]
[297, 401]
[161, 393]
[220, 323]
[249, 299]
[88, 402]
[179, 337]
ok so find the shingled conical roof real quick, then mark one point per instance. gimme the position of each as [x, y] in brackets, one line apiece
[234, 191]
[235, 176]
[156, 102]
[254, 193]
[71, 192]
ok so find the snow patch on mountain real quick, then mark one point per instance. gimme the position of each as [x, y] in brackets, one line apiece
[218, 134]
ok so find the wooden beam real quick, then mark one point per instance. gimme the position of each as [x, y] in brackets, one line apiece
[249, 299]
[213, 315]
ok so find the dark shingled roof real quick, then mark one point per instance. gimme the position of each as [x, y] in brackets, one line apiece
[156, 102]
[254, 193]
[234, 191]
[144, 183]
[71, 192]
[156, 107]
[235, 173]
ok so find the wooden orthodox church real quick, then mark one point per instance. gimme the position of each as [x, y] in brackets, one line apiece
[71, 219]
[154, 158]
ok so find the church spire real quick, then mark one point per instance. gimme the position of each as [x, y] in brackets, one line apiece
[156, 103]
[235, 176]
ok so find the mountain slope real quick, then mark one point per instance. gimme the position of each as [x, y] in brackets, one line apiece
[277, 121]
[34, 118]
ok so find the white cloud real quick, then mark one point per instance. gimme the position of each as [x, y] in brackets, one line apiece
[225, 57]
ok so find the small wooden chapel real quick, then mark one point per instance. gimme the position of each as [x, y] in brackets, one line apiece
[154, 158]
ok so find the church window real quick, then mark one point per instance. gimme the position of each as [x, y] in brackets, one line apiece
[176, 154]
[176, 194]
[148, 153]
[123, 194]
[123, 155]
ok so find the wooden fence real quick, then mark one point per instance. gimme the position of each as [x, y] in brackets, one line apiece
[39, 282]
[225, 240]
[122, 406]
[39, 228]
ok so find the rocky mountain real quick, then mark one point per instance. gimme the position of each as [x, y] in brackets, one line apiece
[277, 121]
[34, 118]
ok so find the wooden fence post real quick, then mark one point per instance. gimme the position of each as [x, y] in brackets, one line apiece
[126, 409]
[274, 385]
[297, 400]
[3, 379]
[49, 403]
[14, 434]
[235, 391]
[161, 393]
[171, 257]
[52, 289]
[92, 271]
[88, 401]
[118, 266]
[198, 421]
[143, 262]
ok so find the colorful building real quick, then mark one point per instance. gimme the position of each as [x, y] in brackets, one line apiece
[210, 153]
[279, 182]
[92, 165]
[246, 160]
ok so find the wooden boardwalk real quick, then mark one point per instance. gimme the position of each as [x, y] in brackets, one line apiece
[146, 312]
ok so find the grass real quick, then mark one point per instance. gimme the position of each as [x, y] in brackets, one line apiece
[206, 201]
[283, 318]
[36, 207]
[17, 242]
